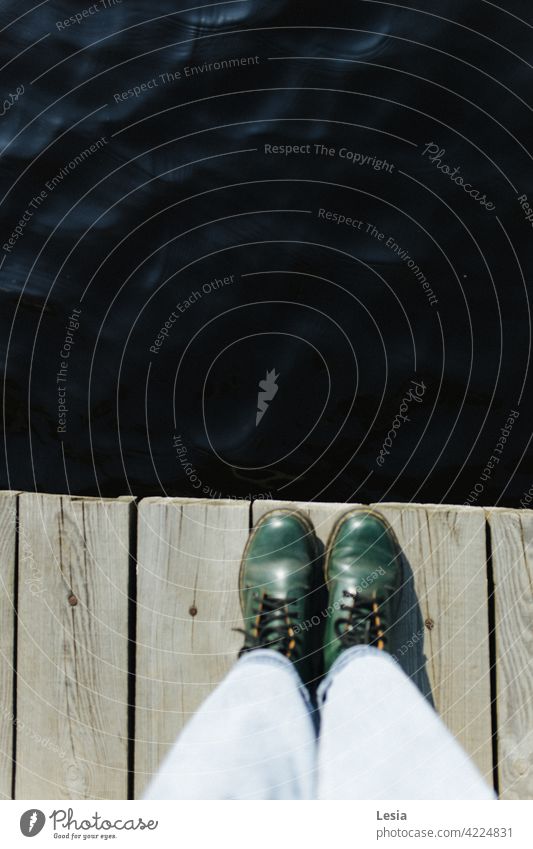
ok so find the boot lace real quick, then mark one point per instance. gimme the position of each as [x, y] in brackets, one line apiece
[272, 626]
[362, 623]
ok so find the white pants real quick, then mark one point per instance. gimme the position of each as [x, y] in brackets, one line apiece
[254, 738]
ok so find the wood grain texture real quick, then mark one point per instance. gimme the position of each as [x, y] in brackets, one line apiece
[445, 584]
[8, 525]
[446, 552]
[188, 564]
[72, 664]
[512, 558]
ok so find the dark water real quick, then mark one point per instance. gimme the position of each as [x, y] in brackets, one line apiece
[175, 184]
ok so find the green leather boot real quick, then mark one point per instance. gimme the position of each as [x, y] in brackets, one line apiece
[278, 580]
[363, 572]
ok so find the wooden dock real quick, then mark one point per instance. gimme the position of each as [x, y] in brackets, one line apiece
[117, 615]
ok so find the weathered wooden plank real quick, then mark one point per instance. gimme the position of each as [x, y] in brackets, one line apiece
[512, 558]
[446, 551]
[188, 564]
[446, 586]
[72, 663]
[8, 524]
